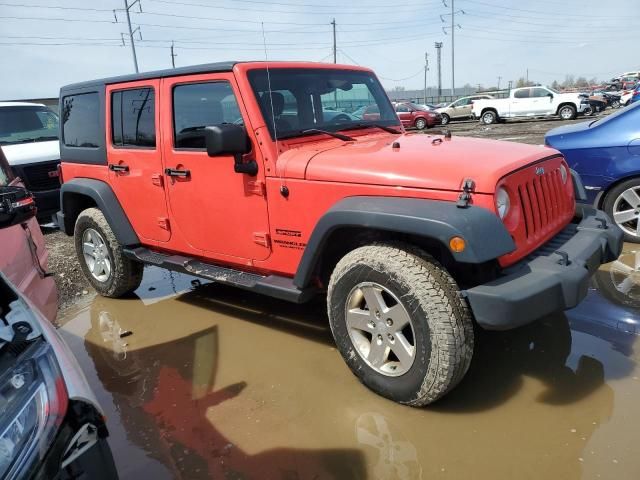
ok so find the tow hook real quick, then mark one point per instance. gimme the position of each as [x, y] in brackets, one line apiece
[564, 260]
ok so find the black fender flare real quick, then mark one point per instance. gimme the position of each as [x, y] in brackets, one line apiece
[485, 235]
[105, 199]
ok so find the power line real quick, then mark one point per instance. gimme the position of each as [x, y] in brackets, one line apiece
[555, 13]
[270, 4]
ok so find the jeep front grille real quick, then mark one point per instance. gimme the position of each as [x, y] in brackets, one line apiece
[544, 203]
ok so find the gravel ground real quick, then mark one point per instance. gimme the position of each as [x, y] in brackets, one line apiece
[72, 284]
[63, 262]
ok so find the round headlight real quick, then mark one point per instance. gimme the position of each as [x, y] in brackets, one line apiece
[503, 202]
[563, 173]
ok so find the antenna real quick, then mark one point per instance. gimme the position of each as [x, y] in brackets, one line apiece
[283, 188]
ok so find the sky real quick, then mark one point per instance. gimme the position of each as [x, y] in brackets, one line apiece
[49, 43]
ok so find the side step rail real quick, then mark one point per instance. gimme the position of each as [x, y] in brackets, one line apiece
[271, 285]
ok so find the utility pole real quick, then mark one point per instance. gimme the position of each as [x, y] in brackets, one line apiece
[335, 50]
[453, 50]
[499, 78]
[510, 83]
[426, 69]
[453, 34]
[173, 56]
[439, 50]
[527, 84]
[133, 45]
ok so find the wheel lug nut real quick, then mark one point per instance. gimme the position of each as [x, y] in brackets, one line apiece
[379, 339]
[389, 322]
[377, 314]
[391, 339]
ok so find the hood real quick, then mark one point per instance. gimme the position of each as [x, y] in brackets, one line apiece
[32, 152]
[421, 161]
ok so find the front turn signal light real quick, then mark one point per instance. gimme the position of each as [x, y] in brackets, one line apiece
[457, 244]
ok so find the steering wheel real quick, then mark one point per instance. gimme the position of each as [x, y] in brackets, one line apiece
[341, 118]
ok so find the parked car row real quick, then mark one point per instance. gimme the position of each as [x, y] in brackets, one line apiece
[51, 424]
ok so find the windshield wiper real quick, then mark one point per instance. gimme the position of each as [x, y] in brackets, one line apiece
[373, 125]
[339, 136]
[44, 138]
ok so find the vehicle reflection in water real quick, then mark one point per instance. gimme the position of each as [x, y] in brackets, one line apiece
[216, 382]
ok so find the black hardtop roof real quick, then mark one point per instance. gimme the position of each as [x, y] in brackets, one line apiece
[169, 72]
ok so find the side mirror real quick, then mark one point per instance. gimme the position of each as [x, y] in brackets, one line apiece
[230, 139]
[227, 139]
[550, 95]
[16, 206]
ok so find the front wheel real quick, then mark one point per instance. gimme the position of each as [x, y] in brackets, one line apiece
[399, 322]
[101, 257]
[567, 112]
[622, 204]
[420, 123]
[615, 104]
[445, 119]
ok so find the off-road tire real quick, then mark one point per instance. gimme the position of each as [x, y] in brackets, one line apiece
[126, 274]
[615, 104]
[568, 108]
[441, 318]
[489, 117]
[420, 123]
[445, 120]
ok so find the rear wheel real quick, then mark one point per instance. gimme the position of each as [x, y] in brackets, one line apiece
[567, 112]
[420, 123]
[445, 119]
[622, 204]
[101, 257]
[489, 117]
[615, 104]
[400, 323]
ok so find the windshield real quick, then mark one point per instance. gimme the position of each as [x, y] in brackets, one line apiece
[321, 99]
[27, 124]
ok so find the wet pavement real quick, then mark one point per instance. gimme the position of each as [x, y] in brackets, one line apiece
[214, 382]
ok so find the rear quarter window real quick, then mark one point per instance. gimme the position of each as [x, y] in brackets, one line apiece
[81, 120]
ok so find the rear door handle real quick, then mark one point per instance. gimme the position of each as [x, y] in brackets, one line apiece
[118, 168]
[172, 172]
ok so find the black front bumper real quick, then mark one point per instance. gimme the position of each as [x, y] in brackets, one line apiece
[554, 278]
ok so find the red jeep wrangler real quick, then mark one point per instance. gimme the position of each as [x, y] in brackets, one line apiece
[242, 173]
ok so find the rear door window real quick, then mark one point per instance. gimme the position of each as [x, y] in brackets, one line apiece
[524, 93]
[81, 120]
[133, 118]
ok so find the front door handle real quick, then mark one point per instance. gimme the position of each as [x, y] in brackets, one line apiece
[118, 168]
[172, 172]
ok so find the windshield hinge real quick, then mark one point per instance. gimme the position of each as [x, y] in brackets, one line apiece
[256, 188]
[464, 199]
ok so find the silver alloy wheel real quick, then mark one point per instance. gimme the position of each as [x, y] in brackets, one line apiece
[488, 118]
[566, 113]
[380, 329]
[626, 211]
[96, 255]
[421, 123]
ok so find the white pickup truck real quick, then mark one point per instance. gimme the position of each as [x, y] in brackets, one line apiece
[530, 102]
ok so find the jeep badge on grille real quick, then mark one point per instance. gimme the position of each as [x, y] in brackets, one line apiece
[539, 171]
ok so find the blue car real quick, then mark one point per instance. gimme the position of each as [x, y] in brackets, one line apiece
[606, 154]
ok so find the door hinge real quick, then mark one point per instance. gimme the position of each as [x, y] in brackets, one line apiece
[163, 223]
[468, 188]
[157, 179]
[256, 188]
[262, 238]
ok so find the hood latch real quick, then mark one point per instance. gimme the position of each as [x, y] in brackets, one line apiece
[464, 199]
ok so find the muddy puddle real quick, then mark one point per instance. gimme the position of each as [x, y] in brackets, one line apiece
[214, 382]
